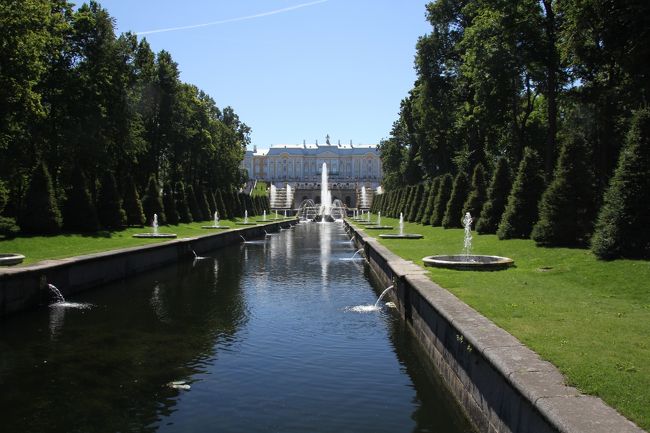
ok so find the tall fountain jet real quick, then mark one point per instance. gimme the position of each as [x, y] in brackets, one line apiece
[325, 197]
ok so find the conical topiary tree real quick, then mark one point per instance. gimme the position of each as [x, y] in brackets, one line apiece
[440, 204]
[40, 212]
[185, 216]
[415, 202]
[567, 207]
[152, 202]
[424, 200]
[193, 203]
[132, 204]
[211, 202]
[109, 204]
[623, 226]
[520, 214]
[8, 227]
[202, 201]
[169, 203]
[79, 213]
[497, 196]
[454, 213]
[431, 198]
[221, 207]
[478, 193]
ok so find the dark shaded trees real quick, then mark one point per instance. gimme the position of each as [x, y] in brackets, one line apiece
[40, 212]
[497, 198]
[623, 226]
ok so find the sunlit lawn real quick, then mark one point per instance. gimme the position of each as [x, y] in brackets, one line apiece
[39, 248]
[588, 317]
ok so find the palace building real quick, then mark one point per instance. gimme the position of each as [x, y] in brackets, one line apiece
[350, 168]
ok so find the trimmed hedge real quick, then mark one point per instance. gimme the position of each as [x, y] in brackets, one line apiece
[109, 204]
[497, 197]
[623, 226]
[454, 212]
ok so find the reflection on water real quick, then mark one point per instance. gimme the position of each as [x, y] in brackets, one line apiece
[254, 338]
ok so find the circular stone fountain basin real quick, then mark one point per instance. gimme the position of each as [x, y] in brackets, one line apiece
[215, 227]
[9, 259]
[376, 227]
[155, 235]
[469, 263]
[402, 236]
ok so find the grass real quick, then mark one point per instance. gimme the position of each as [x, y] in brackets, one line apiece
[588, 317]
[37, 248]
[260, 188]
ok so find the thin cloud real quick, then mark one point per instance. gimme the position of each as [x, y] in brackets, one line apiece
[232, 20]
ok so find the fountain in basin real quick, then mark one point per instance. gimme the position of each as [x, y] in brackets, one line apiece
[10, 259]
[377, 225]
[468, 261]
[215, 225]
[154, 231]
[401, 234]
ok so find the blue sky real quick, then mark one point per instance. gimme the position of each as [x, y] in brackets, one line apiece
[291, 69]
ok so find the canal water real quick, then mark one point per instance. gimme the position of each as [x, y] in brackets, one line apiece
[257, 337]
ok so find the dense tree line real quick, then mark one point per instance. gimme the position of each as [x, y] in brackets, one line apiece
[101, 130]
[535, 99]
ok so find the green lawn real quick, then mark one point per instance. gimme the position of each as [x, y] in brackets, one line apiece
[588, 317]
[260, 188]
[39, 248]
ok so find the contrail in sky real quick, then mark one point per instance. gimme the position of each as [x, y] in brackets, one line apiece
[232, 20]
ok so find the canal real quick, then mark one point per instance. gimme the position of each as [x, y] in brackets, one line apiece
[257, 337]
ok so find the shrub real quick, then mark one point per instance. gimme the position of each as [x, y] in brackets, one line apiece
[454, 212]
[109, 204]
[193, 203]
[497, 197]
[79, 213]
[202, 201]
[211, 202]
[566, 209]
[415, 202]
[221, 207]
[623, 225]
[185, 216]
[424, 200]
[132, 204]
[152, 202]
[520, 213]
[440, 204]
[169, 203]
[40, 213]
[478, 194]
[431, 199]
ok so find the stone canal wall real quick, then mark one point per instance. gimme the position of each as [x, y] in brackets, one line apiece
[23, 288]
[502, 385]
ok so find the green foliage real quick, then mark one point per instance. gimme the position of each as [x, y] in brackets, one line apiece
[152, 202]
[109, 204]
[40, 212]
[185, 215]
[424, 201]
[623, 226]
[202, 200]
[169, 203]
[567, 207]
[497, 198]
[193, 204]
[430, 200]
[132, 204]
[520, 213]
[477, 194]
[221, 207]
[454, 211]
[211, 202]
[416, 202]
[442, 197]
[79, 213]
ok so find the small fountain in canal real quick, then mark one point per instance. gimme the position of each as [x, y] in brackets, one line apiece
[401, 234]
[154, 231]
[466, 260]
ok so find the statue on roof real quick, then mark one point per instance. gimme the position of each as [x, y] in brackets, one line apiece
[327, 139]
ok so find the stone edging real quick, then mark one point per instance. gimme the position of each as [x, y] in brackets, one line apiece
[25, 287]
[502, 385]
